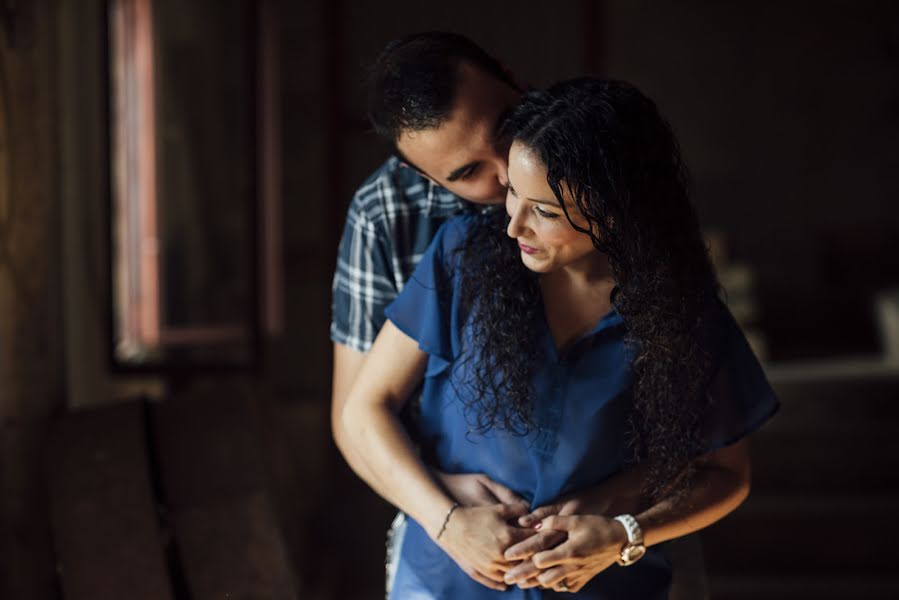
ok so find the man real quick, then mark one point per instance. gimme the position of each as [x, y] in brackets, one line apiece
[439, 100]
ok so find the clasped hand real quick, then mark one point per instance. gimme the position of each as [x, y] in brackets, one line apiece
[551, 547]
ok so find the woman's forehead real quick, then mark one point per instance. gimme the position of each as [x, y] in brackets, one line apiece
[528, 176]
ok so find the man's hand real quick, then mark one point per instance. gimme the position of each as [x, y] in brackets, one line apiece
[476, 489]
[524, 573]
[593, 544]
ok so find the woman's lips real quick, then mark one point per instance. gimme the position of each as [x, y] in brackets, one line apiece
[527, 249]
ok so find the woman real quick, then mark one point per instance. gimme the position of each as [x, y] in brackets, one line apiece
[574, 338]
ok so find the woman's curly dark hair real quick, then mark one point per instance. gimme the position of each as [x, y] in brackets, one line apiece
[607, 143]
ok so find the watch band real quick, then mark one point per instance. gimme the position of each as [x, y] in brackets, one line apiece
[634, 549]
[634, 532]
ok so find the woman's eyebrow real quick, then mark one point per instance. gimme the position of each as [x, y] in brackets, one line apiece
[539, 201]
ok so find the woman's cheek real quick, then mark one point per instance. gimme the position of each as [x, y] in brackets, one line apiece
[551, 232]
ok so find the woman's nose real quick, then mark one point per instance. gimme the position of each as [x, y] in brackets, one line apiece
[516, 218]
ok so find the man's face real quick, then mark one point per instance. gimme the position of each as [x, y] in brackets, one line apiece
[464, 153]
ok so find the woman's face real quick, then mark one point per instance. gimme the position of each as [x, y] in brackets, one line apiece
[545, 237]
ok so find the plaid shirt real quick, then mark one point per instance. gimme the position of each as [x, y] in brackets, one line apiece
[390, 223]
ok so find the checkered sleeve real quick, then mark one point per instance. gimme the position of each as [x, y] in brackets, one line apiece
[362, 286]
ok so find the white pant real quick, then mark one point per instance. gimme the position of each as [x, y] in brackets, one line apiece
[395, 536]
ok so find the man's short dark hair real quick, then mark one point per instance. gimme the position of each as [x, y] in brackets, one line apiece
[412, 84]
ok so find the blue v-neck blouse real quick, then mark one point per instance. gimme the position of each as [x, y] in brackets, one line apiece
[582, 402]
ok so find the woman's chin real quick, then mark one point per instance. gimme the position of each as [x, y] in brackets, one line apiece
[535, 264]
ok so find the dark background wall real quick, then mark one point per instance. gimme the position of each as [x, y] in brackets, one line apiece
[788, 115]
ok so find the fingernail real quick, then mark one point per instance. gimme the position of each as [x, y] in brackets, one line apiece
[538, 526]
[525, 520]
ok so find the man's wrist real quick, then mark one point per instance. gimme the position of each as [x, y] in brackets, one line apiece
[619, 534]
[634, 549]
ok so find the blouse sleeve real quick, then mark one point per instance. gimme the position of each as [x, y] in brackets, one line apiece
[740, 397]
[425, 308]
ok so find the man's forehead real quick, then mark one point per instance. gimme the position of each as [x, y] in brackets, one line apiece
[426, 142]
[470, 127]
[441, 148]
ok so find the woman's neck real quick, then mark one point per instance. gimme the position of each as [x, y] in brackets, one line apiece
[591, 272]
[575, 299]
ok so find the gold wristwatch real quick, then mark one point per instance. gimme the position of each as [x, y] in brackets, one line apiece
[634, 549]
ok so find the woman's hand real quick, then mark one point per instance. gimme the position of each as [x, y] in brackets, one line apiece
[476, 489]
[593, 544]
[476, 538]
[595, 501]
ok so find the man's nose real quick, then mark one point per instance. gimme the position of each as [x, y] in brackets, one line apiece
[500, 162]
[502, 172]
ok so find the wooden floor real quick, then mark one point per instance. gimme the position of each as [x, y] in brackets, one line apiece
[170, 501]
[165, 501]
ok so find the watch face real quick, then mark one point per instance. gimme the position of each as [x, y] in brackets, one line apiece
[632, 554]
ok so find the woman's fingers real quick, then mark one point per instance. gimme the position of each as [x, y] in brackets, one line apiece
[521, 572]
[484, 580]
[556, 556]
[538, 514]
[530, 583]
[543, 540]
[559, 523]
[552, 578]
[575, 581]
[490, 577]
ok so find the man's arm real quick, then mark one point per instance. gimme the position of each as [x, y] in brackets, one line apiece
[364, 284]
[347, 365]
[472, 489]
[475, 537]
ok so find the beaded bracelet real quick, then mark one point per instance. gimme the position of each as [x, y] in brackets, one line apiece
[447, 518]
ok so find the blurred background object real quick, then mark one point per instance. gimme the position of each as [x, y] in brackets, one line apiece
[888, 319]
[174, 178]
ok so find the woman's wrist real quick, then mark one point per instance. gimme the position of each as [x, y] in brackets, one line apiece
[439, 516]
[446, 520]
